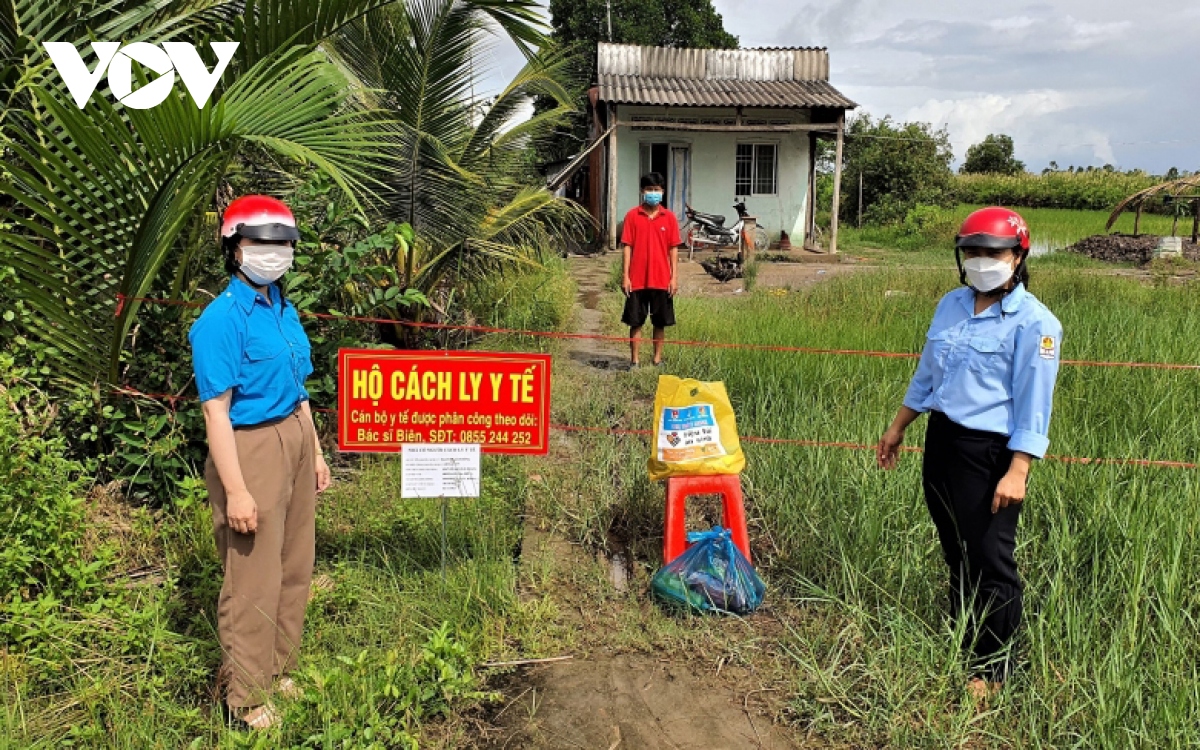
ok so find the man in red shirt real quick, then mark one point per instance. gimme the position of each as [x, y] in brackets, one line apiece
[650, 245]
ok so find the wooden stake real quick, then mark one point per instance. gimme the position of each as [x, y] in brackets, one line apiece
[1137, 222]
[1196, 222]
[860, 197]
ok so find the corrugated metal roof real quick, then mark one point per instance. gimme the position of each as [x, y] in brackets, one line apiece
[685, 92]
[770, 77]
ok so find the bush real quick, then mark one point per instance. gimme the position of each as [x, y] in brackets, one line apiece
[41, 518]
[933, 225]
[902, 165]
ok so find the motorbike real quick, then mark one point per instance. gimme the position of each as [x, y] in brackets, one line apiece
[709, 230]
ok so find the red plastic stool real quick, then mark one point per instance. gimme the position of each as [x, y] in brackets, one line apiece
[679, 489]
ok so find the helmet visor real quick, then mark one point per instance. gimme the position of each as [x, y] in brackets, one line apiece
[268, 232]
[989, 241]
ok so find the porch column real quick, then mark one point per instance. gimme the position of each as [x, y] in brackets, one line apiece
[837, 185]
[810, 204]
[613, 240]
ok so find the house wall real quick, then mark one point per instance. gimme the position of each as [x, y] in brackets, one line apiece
[713, 156]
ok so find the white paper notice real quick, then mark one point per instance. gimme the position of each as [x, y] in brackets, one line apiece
[439, 470]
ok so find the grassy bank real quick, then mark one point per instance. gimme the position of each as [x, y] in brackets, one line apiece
[1108, 553]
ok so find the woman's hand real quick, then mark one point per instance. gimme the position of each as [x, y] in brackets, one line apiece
[1011, 489]
[888, 449]
[323, 477]
[241, 512]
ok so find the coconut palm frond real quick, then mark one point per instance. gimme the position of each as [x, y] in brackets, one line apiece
[548, 75]
[126, 185]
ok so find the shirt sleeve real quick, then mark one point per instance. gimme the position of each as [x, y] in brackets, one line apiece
[673, 239]
[627, 231]
[216, 354]
[1035, 371]
[920, 388]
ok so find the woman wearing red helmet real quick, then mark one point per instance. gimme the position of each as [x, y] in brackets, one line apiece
[986, 377]
[265, 466]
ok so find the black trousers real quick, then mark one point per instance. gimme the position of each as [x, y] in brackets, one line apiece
[961, 470]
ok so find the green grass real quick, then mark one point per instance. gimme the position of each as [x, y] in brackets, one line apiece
[1110, 554]
[384, 555]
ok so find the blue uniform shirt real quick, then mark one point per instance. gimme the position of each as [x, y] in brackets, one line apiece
[994, 371]
[257, 348]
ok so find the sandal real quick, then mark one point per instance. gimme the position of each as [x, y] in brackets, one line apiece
[261, 717]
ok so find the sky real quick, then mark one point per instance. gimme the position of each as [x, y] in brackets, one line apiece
[1079, 82]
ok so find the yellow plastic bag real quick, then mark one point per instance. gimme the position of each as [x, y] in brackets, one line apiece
[694, 430]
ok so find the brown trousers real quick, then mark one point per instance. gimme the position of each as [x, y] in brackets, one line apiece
[260, 613]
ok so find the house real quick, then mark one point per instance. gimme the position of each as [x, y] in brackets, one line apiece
[718, 124]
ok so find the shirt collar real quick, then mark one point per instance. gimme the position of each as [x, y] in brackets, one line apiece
[1010, 303]
[642, 210]
[245, 294]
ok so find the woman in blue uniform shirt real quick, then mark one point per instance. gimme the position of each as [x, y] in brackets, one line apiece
[986, 377]
[264, 469]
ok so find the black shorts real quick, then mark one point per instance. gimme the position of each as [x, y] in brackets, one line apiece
[657, 302]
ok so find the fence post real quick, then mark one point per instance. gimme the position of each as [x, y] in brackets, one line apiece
[860, 197]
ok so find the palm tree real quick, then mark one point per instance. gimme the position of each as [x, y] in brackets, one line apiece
[94, 203]
[460, 159]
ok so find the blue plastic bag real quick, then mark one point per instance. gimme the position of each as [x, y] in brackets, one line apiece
[712, 576]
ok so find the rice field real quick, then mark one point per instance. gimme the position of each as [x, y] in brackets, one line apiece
[1052, 229]
[1110, 554]
[1057, 228]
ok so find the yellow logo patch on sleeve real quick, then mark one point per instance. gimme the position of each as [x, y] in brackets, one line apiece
[1049, 347]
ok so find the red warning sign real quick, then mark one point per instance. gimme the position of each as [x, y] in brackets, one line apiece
[499, 400]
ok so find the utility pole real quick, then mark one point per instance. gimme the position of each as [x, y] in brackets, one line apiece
[608, 7]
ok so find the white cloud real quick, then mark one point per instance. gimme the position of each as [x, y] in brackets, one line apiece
[1033, 118]
[972, 118]
[1083, 34]
[823, 23]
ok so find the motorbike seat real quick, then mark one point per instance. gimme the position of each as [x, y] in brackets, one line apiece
[710, 217]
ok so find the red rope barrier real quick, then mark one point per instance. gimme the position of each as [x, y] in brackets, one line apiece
[122, 300]
[791, 442]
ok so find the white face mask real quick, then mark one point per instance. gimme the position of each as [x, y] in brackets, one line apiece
[263, 264]
[987, 274]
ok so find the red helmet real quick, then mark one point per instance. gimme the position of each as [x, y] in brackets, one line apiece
[996, 228]
[259, 217]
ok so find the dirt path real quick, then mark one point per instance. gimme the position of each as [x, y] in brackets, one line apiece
[610, 694]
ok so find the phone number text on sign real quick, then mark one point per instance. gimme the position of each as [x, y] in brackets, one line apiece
[499, 400]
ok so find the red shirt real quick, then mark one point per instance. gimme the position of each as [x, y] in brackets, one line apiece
[652, 241]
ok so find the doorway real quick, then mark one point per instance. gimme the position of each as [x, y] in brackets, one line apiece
[674, 162]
